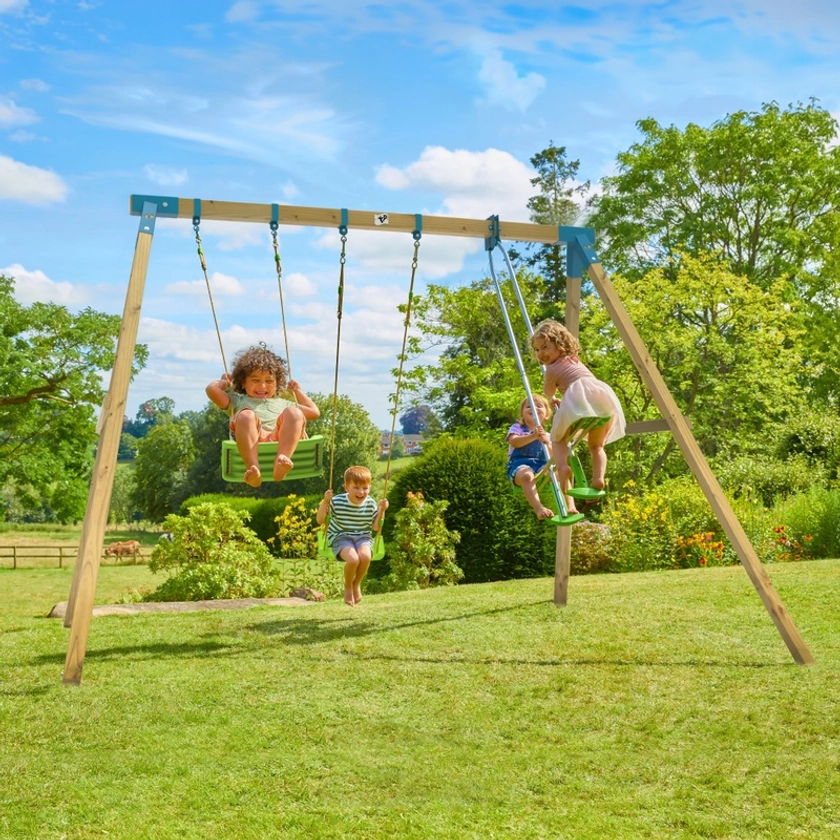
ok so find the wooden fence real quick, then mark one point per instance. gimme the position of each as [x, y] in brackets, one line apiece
[60, 556]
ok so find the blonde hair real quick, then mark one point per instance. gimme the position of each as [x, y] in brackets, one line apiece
[539, 400]
[558, 335]
[357, 475]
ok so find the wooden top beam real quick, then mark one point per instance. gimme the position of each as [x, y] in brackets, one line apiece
[235, 211]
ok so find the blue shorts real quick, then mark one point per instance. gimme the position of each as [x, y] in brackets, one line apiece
[534, 464]
[340, 543]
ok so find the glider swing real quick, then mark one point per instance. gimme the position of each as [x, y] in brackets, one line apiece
[308, 455]
[579, 429]
[324, 549]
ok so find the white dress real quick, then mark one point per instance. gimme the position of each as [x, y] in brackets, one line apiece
[582, 396]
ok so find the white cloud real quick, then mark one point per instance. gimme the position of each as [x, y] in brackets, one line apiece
[36, 85]
[13, 5]
[221, 284]
[297, 284]
[35, 286]
[243, 11]
[505, 87]
[11, 114]
[165, 176]
[472, 184]
[29, 184]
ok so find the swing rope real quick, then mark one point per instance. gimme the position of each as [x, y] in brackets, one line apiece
[342, 261]
[274, 224]
[196, 224]
[417, 235]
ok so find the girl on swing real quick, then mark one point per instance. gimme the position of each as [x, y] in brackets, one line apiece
[583, 396]
[249, 393]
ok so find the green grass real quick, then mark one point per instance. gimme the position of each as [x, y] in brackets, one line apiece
[657, 705]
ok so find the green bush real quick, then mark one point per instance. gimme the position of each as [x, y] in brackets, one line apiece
[812, 523]
[767, 480]
[814, 436]
[422, 552]
[590, 552]
[262, 513]
[501, 538]
[212, 555]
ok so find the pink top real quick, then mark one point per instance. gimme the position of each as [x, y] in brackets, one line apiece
[565, 371]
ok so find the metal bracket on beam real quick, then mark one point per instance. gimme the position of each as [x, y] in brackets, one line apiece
[167, 205]
[495, 228]
[580, 249]
[148, 218]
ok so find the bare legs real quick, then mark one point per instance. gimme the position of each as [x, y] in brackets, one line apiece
[356, 564]
[595, 440]
[290, 426]
[560, 453]
[526, 479]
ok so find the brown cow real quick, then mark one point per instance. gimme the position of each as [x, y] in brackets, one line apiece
[123, 549]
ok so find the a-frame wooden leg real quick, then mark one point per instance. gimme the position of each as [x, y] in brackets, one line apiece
[83, 589]
[698, 464]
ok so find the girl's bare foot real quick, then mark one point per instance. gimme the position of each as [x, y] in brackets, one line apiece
[348, 598]
[253, 476]
[357, 594]
[282, 464]
[544, 513]
[597, 484]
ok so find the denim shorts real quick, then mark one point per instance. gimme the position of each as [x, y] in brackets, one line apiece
[534, 464]
[340, 543]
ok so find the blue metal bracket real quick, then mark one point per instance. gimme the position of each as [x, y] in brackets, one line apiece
[580, 249]
[275, 217]
[148, 218]
[495, 228]
[418, 225]
[166, 205]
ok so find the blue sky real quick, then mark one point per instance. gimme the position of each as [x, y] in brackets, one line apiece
[403, 107]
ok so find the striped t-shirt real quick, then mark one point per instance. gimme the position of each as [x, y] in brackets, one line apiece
[347, 519]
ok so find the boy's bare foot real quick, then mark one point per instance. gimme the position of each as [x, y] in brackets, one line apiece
[348, 598]
[357, 594]
[253, 476]
[282, 465]
[544, 513]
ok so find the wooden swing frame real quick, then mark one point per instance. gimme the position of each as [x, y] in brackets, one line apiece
[580, 256]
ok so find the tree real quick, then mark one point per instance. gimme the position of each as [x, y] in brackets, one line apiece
[761, 188]
[417, 419]
[555, 205]
[51, 367]
[149, 414]
[474, 385]
[727, 350]
[163, 460]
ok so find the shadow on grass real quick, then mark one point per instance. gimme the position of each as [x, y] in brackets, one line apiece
[303, 631]
[145, 651]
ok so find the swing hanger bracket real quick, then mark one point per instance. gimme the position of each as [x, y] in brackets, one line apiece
[580, 249]
[495, 237]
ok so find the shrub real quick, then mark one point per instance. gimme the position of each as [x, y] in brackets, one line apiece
[422, 552]
[815, 437]
[590, 551]
[766, 480]
[812, 522]
[212, 555]
[500, 536]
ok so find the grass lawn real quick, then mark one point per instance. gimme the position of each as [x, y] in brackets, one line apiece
[657, 705]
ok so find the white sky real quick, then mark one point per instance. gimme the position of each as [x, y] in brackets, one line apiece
[431, 108]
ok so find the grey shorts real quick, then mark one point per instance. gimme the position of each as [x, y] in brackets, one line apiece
[340, 543]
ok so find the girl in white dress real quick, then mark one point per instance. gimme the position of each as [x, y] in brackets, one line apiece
[583, 395]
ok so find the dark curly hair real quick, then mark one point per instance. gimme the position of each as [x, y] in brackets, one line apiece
[254, 358]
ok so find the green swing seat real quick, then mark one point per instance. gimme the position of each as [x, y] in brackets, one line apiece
[307, 459]
[581, 488]
[327, 553]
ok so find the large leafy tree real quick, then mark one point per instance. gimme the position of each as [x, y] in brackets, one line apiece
[52, 363]
[163, 461]
[473, 383]
[727, 350]
[761, 188]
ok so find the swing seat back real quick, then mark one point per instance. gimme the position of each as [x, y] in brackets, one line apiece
[326, 552]
[307, 458]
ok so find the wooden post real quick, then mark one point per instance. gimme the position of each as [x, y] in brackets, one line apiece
[83, 589]
[563, 544]
[698, 464]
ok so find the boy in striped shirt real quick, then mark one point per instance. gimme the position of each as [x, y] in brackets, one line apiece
[354, 516]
